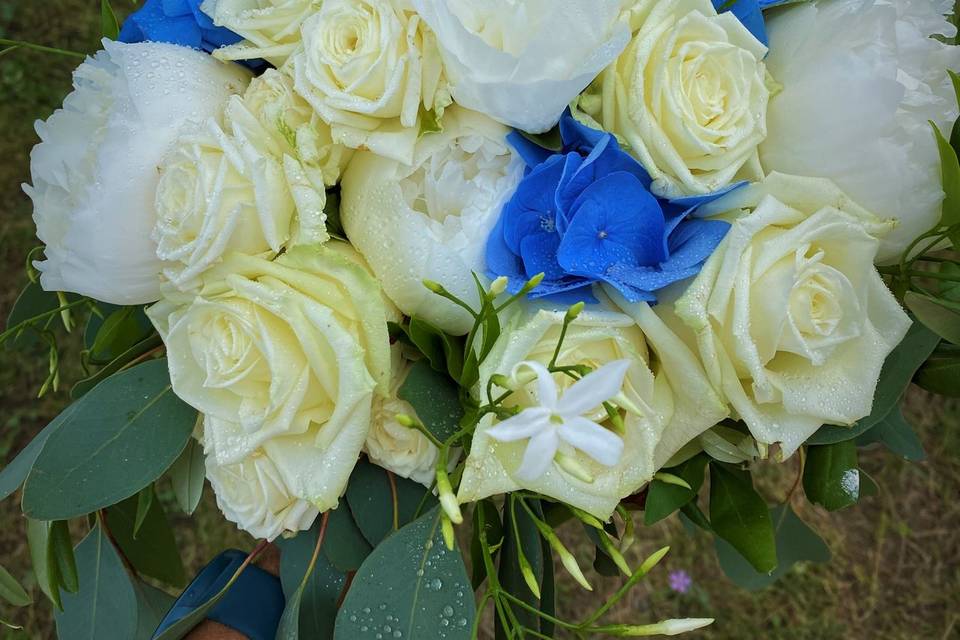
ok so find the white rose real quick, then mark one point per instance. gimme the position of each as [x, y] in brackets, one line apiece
[862, 79]
[676, 401]
[522, 61]
[252, 494]
[95, 170]
[258, 188]
[792, 320]
[402, 450]
[283, 356]
[271, 28]
[369, 67]
[688, 95]
[430, 219]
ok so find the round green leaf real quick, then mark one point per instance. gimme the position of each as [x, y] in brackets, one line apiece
[740, 516]
[411, 584]
[119, 438]
[831, 477]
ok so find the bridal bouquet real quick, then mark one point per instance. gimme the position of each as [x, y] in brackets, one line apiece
[414, 283]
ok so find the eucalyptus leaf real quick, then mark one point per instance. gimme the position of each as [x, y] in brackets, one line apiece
[370, 499]
[11, 591]
[896, 434]
[942, 321]
[436, 399]
[898, 370]
[13, 475]
[740, 516]
[494, 533]
[315, 608]
[154, 551]
[831, 477]
[86, 385]
[32, 301]
[940, 375]
[796, 542]
[413, 584]
[98, 314]
[187, 476]
[664, 498]
[444, 352]
[120, 438]
[152, 605]
[344, 546]
[119, 331]
[106, 604]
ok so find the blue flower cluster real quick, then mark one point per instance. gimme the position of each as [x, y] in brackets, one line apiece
[750, 13]
[176, 22]
[586, 215]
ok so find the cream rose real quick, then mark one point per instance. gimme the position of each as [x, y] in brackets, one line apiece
[94, 172]
[252, 494]
[522, 62]
[369, 68]
[271, 28]
[688, 94]
[283, 356]
[429, 219]
[255, 187]
[402, 450]
[664, 382]
[791, 319]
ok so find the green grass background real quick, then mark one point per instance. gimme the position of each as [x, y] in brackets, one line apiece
[896, 568]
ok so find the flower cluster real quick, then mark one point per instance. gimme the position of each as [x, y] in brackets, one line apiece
[635, 220]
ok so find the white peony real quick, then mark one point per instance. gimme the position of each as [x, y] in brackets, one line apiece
[402, 450]
[253, 494]
[283, 356]
[688, 95]
[256, 185]
[861, 79]
[663, 381]
[271, 28]
[522, 61]
[95, 170]
[791, 319]
[430, 219]
[370, 68]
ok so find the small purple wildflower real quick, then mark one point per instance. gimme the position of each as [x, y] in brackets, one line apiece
[680, 581]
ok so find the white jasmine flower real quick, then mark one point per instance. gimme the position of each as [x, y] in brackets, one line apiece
[558, 422]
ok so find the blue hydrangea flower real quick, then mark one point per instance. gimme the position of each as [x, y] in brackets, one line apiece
[177, 22]
[586, 215]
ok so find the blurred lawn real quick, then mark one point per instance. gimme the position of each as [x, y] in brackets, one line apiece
[896, 567]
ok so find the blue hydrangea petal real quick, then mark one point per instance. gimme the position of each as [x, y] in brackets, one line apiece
[501, 261]
[566, 292]
[577, 136]
[539, 254]
[616, 220]
[639, 284]
[695, 241]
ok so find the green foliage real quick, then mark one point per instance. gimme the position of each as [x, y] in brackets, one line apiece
[831, 477]
[105, 605]
[152, 550]
[152, 605]
[187, 475]
[33, 302]
[896, 434]
[312, 597]
[413, 584]
[435, 398]
[116, 333]
[740, 516]
[665, 498]
[370, 500]
[109, 25]
[344, 546]
[11, 591]
[898, 370]
[935, 316]
[118, 439]
[795, 541]
[522, 551]
[13, 475]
